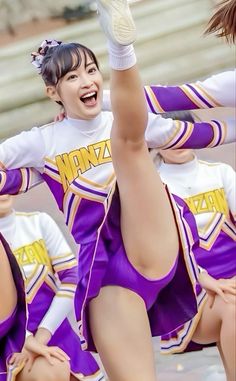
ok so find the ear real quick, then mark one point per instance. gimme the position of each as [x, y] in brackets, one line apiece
[53, 94]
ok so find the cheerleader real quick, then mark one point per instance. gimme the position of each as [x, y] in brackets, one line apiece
[127, 288]
[50, 272]
[12, 305]
[209, 189]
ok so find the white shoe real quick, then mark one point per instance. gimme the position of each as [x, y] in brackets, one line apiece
[117, 21]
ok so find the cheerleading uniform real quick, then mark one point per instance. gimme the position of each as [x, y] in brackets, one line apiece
[209, 189]
[50, 273]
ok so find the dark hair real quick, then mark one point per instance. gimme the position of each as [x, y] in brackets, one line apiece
[223, 21]
[179, 115]
[61, 59]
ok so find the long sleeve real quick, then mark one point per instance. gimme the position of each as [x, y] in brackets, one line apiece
[169, 133]
[16, 181]
[21, 162]
[216, 91]
[65, 267]
[24, 150]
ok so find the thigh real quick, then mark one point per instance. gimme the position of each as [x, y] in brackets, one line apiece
[42, 370]
[208, 328]
[147, 220]
[121, 332]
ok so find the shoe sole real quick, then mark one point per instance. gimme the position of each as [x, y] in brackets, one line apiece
[123, 27]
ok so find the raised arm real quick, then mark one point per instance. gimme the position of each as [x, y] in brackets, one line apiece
[216, 91]
[169, 133]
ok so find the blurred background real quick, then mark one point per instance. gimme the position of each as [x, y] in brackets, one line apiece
[171, 49]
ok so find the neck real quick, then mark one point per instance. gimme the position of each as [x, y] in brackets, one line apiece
[86, 125]
[184, 161]
[5, 213]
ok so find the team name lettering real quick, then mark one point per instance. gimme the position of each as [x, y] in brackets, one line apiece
[212, 201]
[35, 253]
[79, 161]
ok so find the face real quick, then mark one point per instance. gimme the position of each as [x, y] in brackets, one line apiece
[6, 202]
[177, 156]
[80, 91]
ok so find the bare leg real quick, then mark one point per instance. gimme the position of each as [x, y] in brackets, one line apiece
[122, 335]
[42, 370]
[118, 317]
[217, 324]
[8, 294]
[144, 201]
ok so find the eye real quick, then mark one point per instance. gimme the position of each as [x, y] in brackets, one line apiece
[71, 77]
[92, 70]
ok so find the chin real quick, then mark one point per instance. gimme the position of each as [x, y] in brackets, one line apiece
[94, 113]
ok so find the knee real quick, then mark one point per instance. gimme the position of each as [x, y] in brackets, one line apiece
[58, 372]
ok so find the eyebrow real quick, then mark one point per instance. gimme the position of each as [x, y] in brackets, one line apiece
[90, 63]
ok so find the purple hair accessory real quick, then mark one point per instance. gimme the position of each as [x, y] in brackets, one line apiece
[37, 57]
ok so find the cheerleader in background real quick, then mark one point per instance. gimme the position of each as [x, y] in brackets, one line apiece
[12, 303]
[52, 349]
[209, 189]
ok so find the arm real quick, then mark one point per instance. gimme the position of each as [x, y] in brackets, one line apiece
[26, 150]
[16, 181]
[169, 133]
[213, 287]
[21, 161]
[64, 265]
[216, 91]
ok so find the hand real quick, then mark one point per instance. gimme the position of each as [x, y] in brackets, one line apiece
[215, 287]
[18, 359]
[43, 335]
[38, 349]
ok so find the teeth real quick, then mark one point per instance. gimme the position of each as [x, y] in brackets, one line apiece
[89, 95]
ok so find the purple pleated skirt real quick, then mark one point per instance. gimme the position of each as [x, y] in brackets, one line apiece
[170, 301]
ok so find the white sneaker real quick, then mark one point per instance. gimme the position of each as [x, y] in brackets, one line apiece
[117, 21]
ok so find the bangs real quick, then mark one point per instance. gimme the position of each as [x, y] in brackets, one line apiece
[64, 58]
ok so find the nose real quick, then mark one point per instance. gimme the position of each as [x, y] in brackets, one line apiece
[86, 81]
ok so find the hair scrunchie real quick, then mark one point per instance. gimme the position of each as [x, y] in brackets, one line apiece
[37, 57]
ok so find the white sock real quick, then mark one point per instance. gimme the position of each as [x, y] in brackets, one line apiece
[121, 57]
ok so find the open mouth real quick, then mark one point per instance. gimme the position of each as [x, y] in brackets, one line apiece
[89, 99]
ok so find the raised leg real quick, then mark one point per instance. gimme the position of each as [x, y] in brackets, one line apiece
[148, 226]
